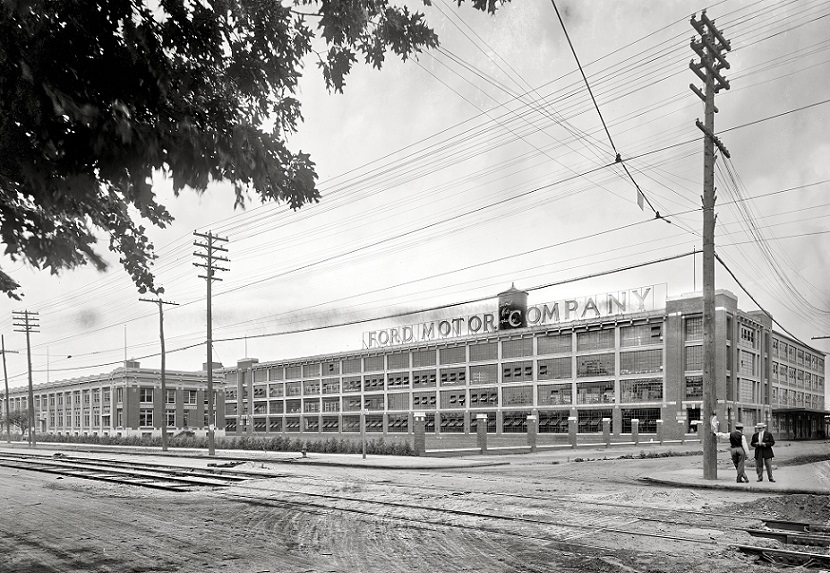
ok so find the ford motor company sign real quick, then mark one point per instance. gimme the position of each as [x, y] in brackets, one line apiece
[640, 299]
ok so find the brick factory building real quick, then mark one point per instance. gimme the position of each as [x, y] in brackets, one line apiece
[126, 402]
[623, 356]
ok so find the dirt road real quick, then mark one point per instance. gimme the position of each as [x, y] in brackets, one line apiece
[535, 515]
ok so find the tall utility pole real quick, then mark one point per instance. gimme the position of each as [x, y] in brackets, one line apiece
[210, 258]
[26, 321]
[709, 48]
[161, 303]
[6, 378]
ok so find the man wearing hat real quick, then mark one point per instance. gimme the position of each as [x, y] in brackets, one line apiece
[763, 441]
[739, 451]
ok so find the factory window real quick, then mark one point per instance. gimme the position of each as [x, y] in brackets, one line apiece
[453, 376]
[746, 363]
[595, 339]
[292, 424]
[423, 401]
[517, 371]
[641, 390]
[351, 366]
[259, 391]
[554, 343]
[230, 425]
[453, 354]
[590, 421]
[106, 395]
[694, 387]
[293, 388]
[595, 365]
[144, 395]
[453, 399]
[490, 423]
[373, 363]
[312, 423]
[641, 361]
[554, 394]
[694, 328]
[260, 407]
[775, 347]
[484, 351]
[275, 424]
[595, 392]
[311, 370]
[293, 406]
[373, 382]
[517, 396]
[747, 336]
[640, 335]
[374, 423]
[331, 424]
[374, 402]
[331, 368]
[145, 417]
[514, 422]
[553, 421]
[397, 380]
[452, 423]
[554, 368]
[791, 353]
[351, 423]
[331, 404]
[484, 374]
[276, 406]
[260, 375]
[230, 394]
[276, 373]
[292, 372]
[351, 384]
[331, 386]
[310, 405]
[422, 358]
[311, 387]
[171, 397]
[397, 401]
[276, 390]
[398, 360]
[518, 348]
[398, 424]
[647, 420]
[801, 358]
[694, 358]
[484, 397]
[352, 404]
[260, 424]
[425, 378]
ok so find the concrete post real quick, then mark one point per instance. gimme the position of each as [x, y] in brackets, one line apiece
[660, 431]
[606, 431]
[635, 431]
[572, 430]
[481, 432]
[532, 429]
[682, 425]
[419, 428]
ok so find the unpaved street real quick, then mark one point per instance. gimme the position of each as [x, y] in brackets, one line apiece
[538, 513]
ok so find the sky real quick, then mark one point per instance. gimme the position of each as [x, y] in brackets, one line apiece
[482, 164]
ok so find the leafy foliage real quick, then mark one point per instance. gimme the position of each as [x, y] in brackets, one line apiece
[96, 97]
[18, 419]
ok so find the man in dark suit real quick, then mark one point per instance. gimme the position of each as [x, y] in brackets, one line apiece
[763, 441]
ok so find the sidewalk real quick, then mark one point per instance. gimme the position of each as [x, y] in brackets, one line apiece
[806, 479]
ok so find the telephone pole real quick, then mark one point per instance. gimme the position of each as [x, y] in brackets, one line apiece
[3, 351]
[210, 258]
[709, 48]
[161, 303]
[27, 322]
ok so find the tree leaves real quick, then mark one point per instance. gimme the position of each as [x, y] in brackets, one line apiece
[96, 97]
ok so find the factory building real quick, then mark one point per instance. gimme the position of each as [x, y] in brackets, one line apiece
[621, 356]
[127, 402]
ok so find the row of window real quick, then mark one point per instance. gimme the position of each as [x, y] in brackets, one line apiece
[794, 355]
[629, 336]
[549, 421]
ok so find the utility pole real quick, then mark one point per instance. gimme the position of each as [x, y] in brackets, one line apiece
[27, 322]
[161, 303]
[709, 48]
[3, 351]
[210, 258]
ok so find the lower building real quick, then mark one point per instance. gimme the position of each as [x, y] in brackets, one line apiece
[127, 402]
[623, 356]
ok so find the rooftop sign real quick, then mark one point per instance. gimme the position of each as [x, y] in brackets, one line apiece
[641, 299]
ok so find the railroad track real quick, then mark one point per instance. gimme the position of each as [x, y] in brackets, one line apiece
[803, 544]
[154, 476]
